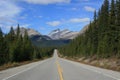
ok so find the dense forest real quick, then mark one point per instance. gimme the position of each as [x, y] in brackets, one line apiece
[17, 48]
[102, 38]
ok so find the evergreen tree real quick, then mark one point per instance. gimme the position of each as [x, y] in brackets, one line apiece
[3, 49]
[112, 30]
[18, 30]
[118, 26]
[10, 38]
[17, 48]
[28, 47]
[95, 33]
[102, 38]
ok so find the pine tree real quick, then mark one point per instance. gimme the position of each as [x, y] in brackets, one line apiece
[16, 49]
[3, 49]
[103, 23]
[95, 33]
[18, 30]
[28, 47]
[112, 28]
[118, 13]
[118, 26]
[10, 38]
[11, 35]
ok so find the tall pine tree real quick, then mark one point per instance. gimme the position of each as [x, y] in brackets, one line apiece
[3, 49]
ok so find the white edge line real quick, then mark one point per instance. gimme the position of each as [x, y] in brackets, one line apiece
[107, 75]
[23, 70]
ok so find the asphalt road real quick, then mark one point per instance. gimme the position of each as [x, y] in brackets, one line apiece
[56, 68]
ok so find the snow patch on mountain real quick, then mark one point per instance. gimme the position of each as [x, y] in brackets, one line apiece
[62, 34]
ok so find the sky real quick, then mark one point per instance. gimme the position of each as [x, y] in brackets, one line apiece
[47, 15]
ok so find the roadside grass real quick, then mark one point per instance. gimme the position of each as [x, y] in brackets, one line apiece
[110, 63]
[16, 64]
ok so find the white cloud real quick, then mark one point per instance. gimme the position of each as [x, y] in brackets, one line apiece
[83, 0]
[90, 9]
[86, 0]
[9, 9]
[7, 20]
[74, 9]
[79, 20]
[25, 25]
[40, 16]
[23, 17]
[47, 1]
[42, 28]
[4, 27]
[54, 23]
[72, 20]
[35, 16]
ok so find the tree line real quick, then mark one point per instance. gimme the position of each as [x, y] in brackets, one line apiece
[102, 38]
[17, 48]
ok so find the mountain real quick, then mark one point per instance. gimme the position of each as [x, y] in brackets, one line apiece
[82, 31]
[51, 43]
[45, 41]
[54, 38]
[62, 34]
[42, 40]
[30, 32]
[33, 34]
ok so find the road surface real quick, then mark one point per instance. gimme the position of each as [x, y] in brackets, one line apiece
[56, 68]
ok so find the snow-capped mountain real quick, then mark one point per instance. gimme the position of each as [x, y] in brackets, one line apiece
[62, 34]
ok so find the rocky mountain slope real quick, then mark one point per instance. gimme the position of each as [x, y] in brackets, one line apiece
[34, 35]
[62, 34]
[30, 32]
[82, 31]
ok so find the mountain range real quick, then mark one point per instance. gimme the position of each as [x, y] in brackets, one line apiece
[54, 38]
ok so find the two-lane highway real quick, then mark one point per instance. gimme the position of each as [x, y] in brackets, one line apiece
[57, 68]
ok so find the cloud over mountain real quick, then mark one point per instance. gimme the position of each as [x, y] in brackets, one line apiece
[47, 1]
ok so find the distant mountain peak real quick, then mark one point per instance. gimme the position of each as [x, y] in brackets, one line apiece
[30, 32]
[62, 34]
[57, 29]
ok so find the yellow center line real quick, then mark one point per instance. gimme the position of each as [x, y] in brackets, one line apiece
[59, 70]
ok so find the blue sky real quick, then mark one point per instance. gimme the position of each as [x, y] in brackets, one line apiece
[47, 15]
